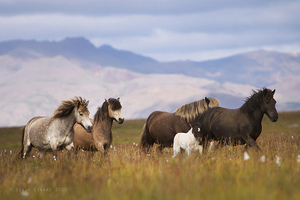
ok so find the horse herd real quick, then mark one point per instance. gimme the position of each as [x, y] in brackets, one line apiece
[191, 126]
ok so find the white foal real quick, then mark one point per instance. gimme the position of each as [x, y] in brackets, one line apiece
[186, 141]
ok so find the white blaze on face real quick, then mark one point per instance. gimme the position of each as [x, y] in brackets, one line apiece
[117, 115]
[83, 119]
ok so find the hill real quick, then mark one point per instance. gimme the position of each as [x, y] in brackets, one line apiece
[36, 76]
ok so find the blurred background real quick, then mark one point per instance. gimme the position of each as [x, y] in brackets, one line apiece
[154, 55]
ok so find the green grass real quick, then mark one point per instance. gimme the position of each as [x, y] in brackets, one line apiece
[128, 173]
[10, 138]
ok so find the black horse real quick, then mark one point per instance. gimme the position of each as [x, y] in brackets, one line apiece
[238, 126]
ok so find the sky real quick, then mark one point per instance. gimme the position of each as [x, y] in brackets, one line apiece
[166, 30]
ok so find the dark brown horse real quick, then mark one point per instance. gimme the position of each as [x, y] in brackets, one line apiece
[161, 127]
[239, 126]
[101, 137]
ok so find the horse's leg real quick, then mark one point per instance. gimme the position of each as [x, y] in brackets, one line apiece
[188, 151]
[42, 153]
[250, 142]
[160, 148]
[219, 146]
[210, 146]
[92, 153]
[71, 149]
[205, 144]
[176, 149]
[147, 146]
[200, 148]
[26, 144]
[246, 148]
[100, 147]
[26, 150]
[54, 148]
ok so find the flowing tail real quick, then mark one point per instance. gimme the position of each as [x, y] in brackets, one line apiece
[143, 136]
[145, 142]
[20, 153]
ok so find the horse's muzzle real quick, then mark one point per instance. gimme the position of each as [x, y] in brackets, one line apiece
[120, 120]
[89, 129]
[274, 117]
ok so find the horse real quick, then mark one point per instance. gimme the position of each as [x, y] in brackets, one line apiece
[161, 127]
[100, 138]
[187, 141]
[239, 126]
[54, 132]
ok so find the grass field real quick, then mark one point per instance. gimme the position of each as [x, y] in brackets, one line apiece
[128, 173]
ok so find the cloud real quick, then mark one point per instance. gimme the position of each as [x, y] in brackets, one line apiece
[116, 7]
[173, 30]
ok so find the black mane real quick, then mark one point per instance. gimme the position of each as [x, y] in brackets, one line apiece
[255, 100]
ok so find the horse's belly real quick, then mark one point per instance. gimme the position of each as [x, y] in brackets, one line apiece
[229, 137]
[227, 132]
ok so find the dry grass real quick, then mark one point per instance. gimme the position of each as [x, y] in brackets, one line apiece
[128, 173]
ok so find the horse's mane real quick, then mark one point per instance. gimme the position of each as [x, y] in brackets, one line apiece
[255, 99]
[191, 111]
[102, 111]
[67, 107]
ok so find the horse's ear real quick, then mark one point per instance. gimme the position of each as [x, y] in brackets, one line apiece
[106, 101]
[273, 91]
[207, 100]
[118, 99]
[76, 101]
[265, 91]
[87, 103]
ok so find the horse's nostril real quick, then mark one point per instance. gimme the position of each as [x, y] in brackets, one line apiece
[121, 120]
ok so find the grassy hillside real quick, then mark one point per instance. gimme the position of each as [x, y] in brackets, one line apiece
[128, 173]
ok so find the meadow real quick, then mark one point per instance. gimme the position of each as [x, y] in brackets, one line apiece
[128, 173]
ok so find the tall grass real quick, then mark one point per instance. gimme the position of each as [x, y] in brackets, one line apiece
[128, 173]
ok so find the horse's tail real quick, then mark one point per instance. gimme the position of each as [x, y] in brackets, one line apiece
[144, 142]
[143, 136]
[22, 150]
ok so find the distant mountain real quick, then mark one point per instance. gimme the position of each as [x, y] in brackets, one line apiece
[75, 48]
[257, 68]
[36, 76]
[38, 85]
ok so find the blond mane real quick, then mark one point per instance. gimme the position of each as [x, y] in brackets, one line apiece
[191, 111]
[67, 106]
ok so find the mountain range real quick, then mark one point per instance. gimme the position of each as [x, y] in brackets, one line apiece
[35, 76]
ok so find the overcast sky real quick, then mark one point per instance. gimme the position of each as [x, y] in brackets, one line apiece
[166, 30]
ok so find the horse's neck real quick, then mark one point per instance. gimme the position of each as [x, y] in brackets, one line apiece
[254, 113]
[103, 126]
[68, 121]
[257, 115]
[190, 132]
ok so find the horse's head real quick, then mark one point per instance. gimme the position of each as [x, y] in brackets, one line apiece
[196, 129]
[268, 105]
[82, 114]
[114, 110]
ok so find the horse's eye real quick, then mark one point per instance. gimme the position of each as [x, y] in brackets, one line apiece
[81, 114]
